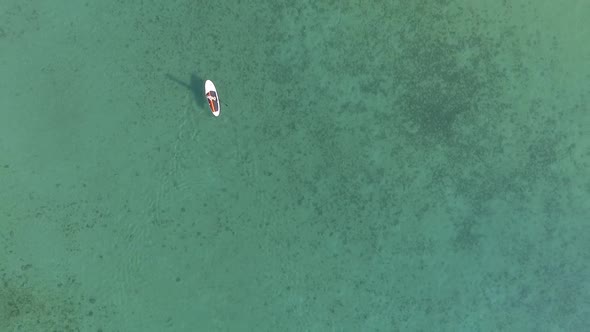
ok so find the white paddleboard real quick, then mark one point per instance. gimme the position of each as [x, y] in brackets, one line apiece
[212, 98]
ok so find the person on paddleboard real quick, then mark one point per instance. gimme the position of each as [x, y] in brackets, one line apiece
[212, 98]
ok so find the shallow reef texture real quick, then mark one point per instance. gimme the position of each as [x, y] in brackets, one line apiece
[441, 146]
[26, 306]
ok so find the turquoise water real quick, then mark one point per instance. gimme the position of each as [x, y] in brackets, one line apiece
[377, 166]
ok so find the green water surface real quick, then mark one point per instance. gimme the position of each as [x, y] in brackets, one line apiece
[377, 166]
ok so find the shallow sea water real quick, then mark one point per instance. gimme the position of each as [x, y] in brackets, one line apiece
[383, 166]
